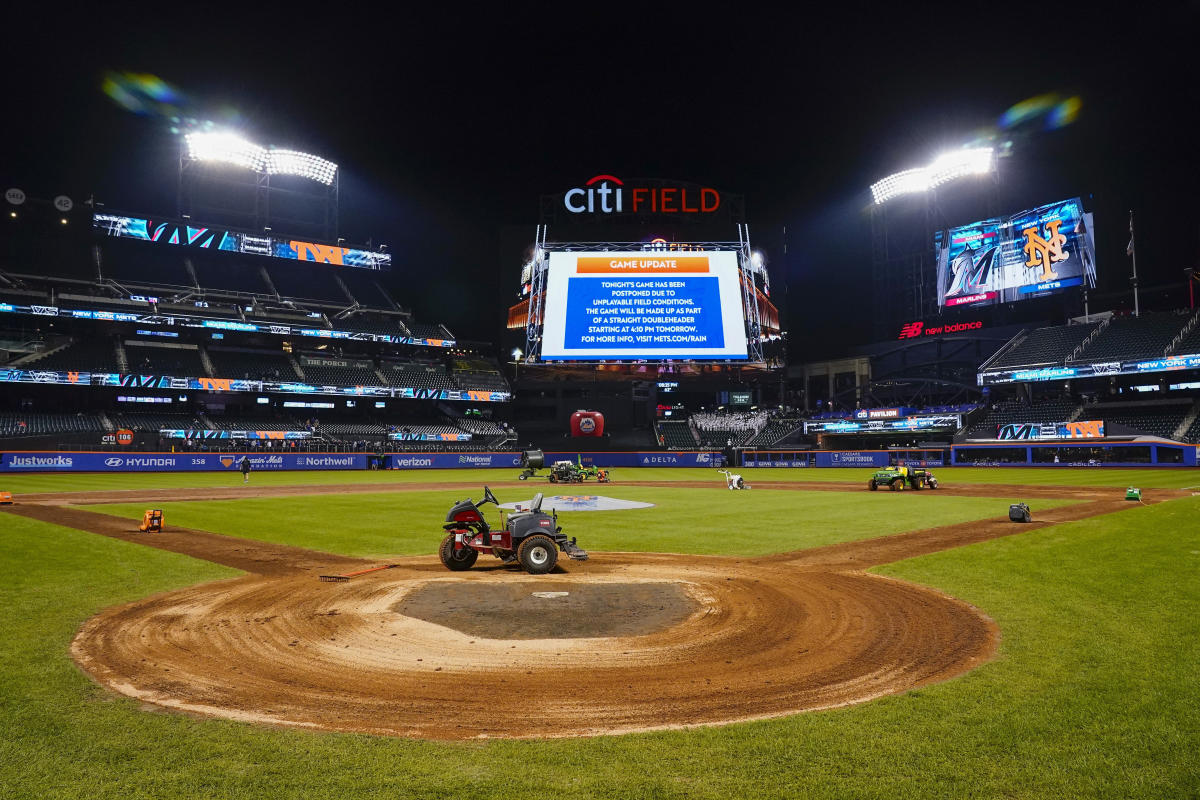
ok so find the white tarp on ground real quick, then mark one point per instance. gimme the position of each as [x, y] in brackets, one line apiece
[580, 502]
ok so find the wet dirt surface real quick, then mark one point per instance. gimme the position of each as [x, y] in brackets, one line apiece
[640, 642]
[561, 609]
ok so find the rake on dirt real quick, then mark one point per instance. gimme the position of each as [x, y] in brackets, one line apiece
[349, 575]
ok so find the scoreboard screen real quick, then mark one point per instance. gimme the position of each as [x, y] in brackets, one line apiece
[624, 306]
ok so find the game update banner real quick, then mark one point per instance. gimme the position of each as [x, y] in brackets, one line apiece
[653, 306]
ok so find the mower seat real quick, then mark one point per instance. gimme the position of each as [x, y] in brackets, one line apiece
[535, 505]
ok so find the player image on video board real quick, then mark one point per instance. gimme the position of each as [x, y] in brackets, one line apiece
[1004, 259]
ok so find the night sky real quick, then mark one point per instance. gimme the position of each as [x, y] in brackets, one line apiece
[448, 128]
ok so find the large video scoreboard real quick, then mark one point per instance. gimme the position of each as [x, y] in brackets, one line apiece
[623, 306]
[1029, 254]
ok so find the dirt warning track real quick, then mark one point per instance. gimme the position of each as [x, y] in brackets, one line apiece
[745, 639]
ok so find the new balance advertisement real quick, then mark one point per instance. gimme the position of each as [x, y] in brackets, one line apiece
[1004, 259]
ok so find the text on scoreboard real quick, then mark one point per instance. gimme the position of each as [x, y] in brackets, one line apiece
[622, 305]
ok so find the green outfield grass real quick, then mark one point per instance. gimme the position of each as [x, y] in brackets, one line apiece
[1174, 478]
[1094, 694]
[684, 520]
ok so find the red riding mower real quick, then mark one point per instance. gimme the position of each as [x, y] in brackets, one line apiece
[529, 536]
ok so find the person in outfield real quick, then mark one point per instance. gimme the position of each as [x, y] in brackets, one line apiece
[246, 469]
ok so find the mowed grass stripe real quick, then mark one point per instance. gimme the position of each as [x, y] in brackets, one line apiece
[1146, 478]
[1093, 695]
[684, 520]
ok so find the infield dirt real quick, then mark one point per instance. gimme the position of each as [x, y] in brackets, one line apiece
[639, 642]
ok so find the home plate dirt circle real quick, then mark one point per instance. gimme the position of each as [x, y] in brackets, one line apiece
[637, 642]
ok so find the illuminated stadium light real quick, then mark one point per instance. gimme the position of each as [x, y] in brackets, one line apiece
[306, 165]
[945, 168]
[226, 147]
[229, 148]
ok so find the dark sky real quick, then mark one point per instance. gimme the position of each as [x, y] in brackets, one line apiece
[448, 127]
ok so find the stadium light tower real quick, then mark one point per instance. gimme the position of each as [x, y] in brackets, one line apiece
[259, 164]
[947, 167]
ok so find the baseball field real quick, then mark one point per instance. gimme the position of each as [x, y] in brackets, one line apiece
[806, 638]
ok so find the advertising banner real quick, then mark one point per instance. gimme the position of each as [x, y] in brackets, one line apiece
[1080, 429]
[176, 462]
[851, 458]
[1167, 364]
[167, 232]
[631, 306]
[1004, 259]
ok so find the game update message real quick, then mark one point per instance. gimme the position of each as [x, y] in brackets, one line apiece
[643, 306]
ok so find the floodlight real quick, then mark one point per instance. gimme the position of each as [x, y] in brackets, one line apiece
[226, 147]
[305, 165]
[946, 167]
[229, 148]
[756, 260]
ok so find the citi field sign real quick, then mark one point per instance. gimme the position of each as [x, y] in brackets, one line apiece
[608, 194]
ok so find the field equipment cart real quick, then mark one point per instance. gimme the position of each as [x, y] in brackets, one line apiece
[529, 537]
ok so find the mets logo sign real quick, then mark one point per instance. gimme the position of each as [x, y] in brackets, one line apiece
[1041, 252]
[227, 461]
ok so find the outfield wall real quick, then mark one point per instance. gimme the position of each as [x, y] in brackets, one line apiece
[1077, 454]
[91, 461]
[843, 458]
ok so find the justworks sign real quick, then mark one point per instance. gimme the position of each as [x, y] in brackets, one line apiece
[608, 194]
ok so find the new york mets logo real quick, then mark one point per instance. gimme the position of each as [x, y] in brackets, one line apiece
[1041, 252]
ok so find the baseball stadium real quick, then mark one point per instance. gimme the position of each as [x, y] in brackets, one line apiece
[276, 524]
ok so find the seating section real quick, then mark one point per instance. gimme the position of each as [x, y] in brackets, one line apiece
[260, 366]
[350, 375]
[173, 361]
[1135, 337]
[1153, 420]
[419, 375]
[309, 284]
[224, 273]
[1016, 410]
[1045, 346]
[1190, 344]
[722, 429]
[142, 421]
[232, 422]
[83, 355]
[1192, 434]
[423, 330]
[676, 435]
[365, 289]
[775, 431]
[352, 429]
[36, 424]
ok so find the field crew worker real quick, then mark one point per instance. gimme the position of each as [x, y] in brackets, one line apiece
[245, 469]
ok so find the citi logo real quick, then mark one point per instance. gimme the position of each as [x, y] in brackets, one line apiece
[605, 194]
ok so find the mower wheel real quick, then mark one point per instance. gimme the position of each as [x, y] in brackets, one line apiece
[538, 554]
[872, 485]
[456, 560]
[918, 485]
[897, 485]
[553, 479]
[522, 477]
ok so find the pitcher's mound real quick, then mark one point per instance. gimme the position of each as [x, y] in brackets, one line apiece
[581, 502]
[549, 609]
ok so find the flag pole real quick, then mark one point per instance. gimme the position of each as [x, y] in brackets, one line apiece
[1131, 250]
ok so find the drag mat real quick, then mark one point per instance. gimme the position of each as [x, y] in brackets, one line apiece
[759, 638]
